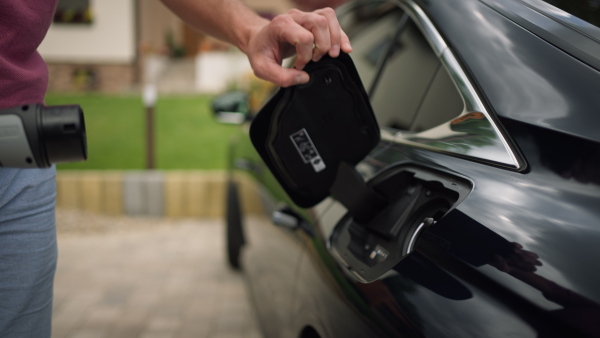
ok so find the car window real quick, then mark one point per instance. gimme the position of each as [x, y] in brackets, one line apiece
[369, 44]
[442, 103]
[414, 91]
[354, 17]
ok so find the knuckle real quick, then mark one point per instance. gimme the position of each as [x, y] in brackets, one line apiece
[281, 20]
[321, 21]
[293, 11]
[305, 39]
[328, 11]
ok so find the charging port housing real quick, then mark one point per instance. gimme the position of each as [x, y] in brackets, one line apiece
[416, 198]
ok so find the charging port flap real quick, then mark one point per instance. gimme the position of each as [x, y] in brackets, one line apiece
[304, 132]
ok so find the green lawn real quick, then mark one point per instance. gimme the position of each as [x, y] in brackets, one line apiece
[186, 134]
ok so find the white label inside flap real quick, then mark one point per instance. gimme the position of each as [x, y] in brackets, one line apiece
[307, 149]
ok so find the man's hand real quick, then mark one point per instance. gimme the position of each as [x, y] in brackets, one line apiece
[309, 35]
[518, 260]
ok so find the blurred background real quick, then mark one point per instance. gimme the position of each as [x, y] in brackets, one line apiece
[140, 228]
[103, 54]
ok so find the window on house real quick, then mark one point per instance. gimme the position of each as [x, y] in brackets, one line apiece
[73, 12]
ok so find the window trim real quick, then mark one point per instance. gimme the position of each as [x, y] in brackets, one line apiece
[503, 153]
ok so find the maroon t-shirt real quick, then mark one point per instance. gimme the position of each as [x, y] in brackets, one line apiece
[23, 72]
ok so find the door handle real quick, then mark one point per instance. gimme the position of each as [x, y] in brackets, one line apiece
[285, 218]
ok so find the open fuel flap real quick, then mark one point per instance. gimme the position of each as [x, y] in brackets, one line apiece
[311, 136]
[413, 198]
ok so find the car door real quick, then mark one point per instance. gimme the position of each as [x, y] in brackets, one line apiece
[271, 254]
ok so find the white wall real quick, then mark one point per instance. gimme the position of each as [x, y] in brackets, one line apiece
[110, 38]
[216, 70]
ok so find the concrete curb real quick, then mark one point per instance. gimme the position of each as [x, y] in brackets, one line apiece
[174, 194]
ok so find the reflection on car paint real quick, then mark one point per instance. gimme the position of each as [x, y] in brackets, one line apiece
[472, 138]
[477, 245]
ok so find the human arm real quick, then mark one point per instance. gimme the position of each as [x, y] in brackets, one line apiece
[267, 43]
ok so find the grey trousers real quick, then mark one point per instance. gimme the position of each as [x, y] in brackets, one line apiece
[28, 251]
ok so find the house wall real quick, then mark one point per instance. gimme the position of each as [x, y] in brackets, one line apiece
[110, 38]
[155, 22]
[270, 6]
[99, 56]
[108, 54]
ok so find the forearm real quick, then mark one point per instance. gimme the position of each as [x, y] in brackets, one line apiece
[267, 43]
[228, 20]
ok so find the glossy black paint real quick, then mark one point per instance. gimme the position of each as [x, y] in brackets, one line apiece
[522, 76]
[467, 277]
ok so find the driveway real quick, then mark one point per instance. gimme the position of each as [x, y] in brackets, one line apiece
[147, 278]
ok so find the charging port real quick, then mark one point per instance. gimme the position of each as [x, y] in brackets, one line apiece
[415, 198]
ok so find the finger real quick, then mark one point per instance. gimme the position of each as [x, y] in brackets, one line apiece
[530, 254]
[526, 255]
[525, 266]
[304, 53]
[286, 29]
[270, 70]
[319, 27]
[524, 262]
[346, 46]
[499, 263]
[531, 260]
[335, 30]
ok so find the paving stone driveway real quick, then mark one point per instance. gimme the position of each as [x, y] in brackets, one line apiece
[146, 278]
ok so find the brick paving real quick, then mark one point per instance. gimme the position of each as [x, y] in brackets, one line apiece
[147, 278]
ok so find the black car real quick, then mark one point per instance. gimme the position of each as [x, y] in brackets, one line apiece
[489, 165]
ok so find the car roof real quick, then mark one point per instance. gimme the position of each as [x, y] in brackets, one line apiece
[565, 31]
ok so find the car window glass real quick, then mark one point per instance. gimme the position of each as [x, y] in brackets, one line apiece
[414, 91]
[356, 18]
[442, 103]
[369, 45]
[406, 76]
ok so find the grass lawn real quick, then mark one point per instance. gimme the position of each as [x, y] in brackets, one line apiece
[186, 134]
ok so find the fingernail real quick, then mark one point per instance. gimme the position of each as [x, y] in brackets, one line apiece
[301, 79]
[347, 46]
[335, 50]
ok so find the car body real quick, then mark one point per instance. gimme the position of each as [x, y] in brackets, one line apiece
[490, 110]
